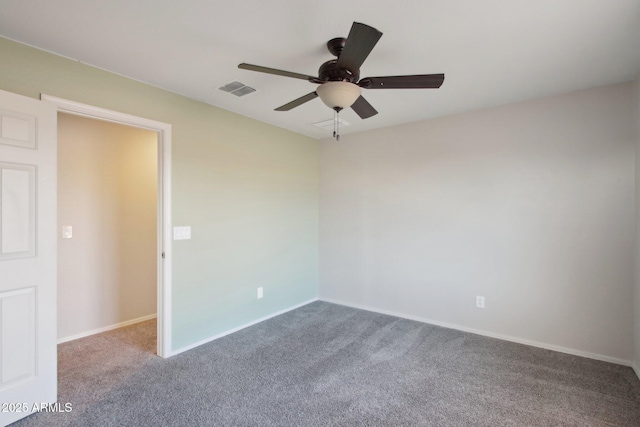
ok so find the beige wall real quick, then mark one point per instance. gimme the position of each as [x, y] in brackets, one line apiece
[530, 205]
[107, 190]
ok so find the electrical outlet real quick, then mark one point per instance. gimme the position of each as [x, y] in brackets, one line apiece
[260, 292]
[479, 302]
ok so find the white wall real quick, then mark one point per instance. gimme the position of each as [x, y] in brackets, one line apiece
[530, 205]
[107, 178]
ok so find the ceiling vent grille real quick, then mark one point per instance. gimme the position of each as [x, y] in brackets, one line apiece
[237, 89]
[328, 124]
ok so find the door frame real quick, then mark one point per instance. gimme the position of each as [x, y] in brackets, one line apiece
[164, 254]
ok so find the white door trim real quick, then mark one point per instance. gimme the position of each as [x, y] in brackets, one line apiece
[164, 201]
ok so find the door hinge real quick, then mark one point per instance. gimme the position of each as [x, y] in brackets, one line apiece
[162, 255]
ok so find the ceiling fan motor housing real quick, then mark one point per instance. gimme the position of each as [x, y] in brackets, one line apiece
[329, 71]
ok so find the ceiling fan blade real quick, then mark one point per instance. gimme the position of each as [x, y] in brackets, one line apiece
[297, 102]
[420, 81]
[363, 108]
[360, 42]
[277, 72]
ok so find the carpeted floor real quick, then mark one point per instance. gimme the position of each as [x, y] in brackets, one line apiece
[325, 364]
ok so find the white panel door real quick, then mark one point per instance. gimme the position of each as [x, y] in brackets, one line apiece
[28, 357]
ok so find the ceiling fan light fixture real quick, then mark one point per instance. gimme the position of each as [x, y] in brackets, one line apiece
[338, 94]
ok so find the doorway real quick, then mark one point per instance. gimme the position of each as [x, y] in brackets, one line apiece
[125, 300]
[107, 213]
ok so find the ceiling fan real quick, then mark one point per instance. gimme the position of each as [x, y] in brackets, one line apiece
[339, 79]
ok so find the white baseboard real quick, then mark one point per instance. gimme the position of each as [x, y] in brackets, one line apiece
[106, 328]
[246, 325]
[489, 334]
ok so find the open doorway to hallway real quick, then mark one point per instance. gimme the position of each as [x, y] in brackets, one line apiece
[108, 219]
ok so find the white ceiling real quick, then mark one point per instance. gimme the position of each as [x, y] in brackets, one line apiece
[491, 51]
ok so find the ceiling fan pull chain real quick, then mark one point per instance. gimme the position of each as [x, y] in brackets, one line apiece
[334, 123]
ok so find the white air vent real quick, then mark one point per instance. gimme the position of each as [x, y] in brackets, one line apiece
[328, 124]
[237, 89]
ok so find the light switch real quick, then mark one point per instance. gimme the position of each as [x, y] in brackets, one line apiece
[181, 233]
[67, 231]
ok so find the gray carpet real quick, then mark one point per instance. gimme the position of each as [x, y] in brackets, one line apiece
[325, 364]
